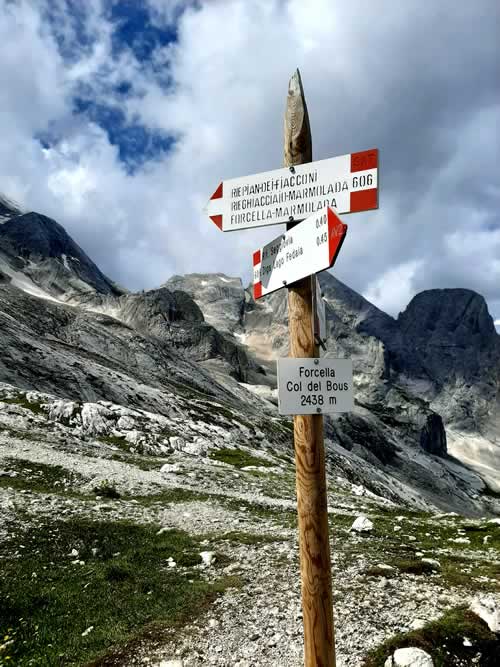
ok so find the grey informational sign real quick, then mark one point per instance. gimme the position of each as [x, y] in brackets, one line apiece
[315, 386]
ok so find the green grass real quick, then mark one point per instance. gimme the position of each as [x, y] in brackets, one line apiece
[278, 429]
[39, 477]
[36, 408]
[414, 566]
[377, 571]
[241, 537]
[171, 496]
[282, 517]
[120, 590]
[116, 441]
[461, 565]
[107, 490]
[239, 458]
[443, 640]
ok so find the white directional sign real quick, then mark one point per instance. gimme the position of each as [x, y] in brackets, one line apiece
[310, 247]
[347, 184]
[314, 386]
[319, 315]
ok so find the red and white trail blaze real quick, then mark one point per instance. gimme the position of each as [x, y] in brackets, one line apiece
[347, 184]
[308, 248]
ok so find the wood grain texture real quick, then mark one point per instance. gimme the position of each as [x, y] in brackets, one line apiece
[298, 144]
[315, 565]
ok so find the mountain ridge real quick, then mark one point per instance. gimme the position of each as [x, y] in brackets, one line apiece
[204, 332]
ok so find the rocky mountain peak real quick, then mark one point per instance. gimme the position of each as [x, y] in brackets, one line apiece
[39, 235]
[40, 248]
[220, 297]
[444, 313]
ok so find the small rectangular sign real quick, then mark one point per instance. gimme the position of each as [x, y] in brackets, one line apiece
[347, 183]
[315, 386]
[309, 247]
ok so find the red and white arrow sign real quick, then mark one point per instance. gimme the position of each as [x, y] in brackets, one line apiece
[310, 247]
[347, 184]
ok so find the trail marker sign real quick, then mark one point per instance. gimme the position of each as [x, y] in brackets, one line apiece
[347, 183]
[314, 386]
[310, 247]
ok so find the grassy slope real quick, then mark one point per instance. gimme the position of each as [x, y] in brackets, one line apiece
[48, 601]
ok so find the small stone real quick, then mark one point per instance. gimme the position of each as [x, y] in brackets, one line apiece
[409, 657]
[170, 468]
[417, 624]
[208, 557]
[362, 524]
[435, 564]
[383, 566]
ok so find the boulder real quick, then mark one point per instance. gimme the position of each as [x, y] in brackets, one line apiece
[96, 419]
[63, 411]
[362, 525]
[135, 437]
[176, 443]
[125, 423]
[409, 657]
[196, 448]
[485, 607]
[170, 468]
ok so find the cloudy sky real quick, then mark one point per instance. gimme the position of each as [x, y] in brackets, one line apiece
[119, 119]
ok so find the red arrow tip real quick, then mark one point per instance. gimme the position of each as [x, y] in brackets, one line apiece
[336, 235]
[217, 219]
[218, 193]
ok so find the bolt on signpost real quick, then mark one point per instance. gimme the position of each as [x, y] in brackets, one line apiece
[307, 196]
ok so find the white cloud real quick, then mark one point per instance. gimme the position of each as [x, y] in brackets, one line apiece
[393, 290]
[421, 89]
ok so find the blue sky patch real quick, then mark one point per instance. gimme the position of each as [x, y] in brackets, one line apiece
[133, 29]
[136, 143]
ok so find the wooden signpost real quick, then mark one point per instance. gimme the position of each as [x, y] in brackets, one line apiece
[307, 195]
[312, 506]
